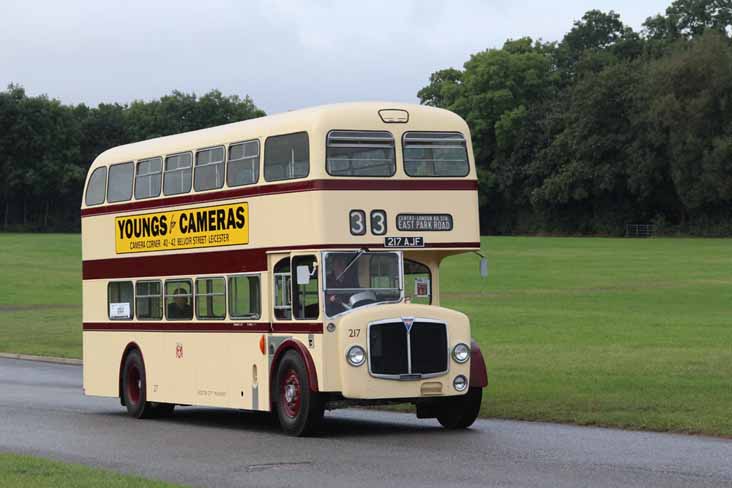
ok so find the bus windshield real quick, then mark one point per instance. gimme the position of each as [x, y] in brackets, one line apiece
[358, 278]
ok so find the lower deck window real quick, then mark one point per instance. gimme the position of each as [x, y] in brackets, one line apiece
[119, 300]
[210, 298]
[149, 300]
[178, 297]
[244, 297]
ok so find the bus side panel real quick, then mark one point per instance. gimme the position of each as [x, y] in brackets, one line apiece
[103, 352]
[174, 369]
[229, 370]
[101, 370]
[209, 369]
[247, 371]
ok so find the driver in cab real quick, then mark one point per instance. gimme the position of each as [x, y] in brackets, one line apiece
[338, 277]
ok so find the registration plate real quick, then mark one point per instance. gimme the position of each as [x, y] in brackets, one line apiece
[404, 242]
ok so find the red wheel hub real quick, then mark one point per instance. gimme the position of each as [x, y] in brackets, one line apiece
[291, 393]
[134, 384]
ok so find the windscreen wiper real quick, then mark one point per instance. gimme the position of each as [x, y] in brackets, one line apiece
[350, 263]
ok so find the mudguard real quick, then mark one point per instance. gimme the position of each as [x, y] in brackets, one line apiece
[478, 372]
[307, 358]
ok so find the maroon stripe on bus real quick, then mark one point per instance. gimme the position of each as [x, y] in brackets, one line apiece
[211, 262]
[293, 187]
[251, 327]
[297, 327]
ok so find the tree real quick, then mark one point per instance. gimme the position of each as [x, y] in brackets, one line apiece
[46, 147]
[492, 94]
[690, 18]
[444, 89]
[585, 168]
[9, 112]
[598, 40]
[691, 112]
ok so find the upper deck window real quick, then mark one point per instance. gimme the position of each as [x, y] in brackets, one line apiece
[148, 178]
[120, 182]
[435, 154]
[97, 187]
[360, 153]
[243, 165]
[286, 157]
[209, 169]
[177, 174]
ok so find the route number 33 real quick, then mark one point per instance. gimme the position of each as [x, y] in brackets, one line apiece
[377, 219]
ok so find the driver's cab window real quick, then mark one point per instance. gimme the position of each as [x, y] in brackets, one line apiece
[357, 278]
[305, 303]
[383, 272]
[417, 282]
[282, 297]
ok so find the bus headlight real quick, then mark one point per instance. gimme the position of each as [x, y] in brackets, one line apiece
[461, 353]
[356, 356]
[460, 383]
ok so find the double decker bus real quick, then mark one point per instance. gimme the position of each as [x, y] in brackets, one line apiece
[288, 263]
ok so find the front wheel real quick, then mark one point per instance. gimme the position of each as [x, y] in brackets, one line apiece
[299, 409]
[460, 412]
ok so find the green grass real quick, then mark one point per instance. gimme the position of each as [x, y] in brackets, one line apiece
[615, 332]
[40, 294]
[32, 472]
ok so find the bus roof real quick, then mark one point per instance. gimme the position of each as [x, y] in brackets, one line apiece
[350, 116]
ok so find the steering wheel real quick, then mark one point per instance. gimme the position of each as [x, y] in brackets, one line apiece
[360, 299]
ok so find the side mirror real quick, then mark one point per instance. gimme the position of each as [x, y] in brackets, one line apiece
[484, 267]
[303, 275]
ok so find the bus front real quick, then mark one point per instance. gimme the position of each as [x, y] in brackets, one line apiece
[403, 197]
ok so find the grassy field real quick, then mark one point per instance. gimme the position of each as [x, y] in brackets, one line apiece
[40, 294]
[32, 472]
[615, 332]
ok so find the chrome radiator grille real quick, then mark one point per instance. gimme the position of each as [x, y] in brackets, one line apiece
[407, 348]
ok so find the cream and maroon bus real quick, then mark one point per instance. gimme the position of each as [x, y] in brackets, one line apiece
[288, 263]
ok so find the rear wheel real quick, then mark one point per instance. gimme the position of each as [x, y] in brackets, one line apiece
[134, 390]
[460, 412]
[299, 410]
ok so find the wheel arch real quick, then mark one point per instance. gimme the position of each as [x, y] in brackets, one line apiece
[478, 371]
[299, 348]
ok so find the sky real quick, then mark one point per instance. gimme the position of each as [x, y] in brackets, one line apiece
[284, 54]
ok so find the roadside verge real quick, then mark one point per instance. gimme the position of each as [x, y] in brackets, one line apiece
[42, 359]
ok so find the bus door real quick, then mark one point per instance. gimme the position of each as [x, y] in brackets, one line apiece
[305, 290]
[295, 290]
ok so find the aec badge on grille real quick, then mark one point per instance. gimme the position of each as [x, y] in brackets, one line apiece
[408, 321]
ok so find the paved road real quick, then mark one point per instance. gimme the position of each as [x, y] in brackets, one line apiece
[43, 412]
